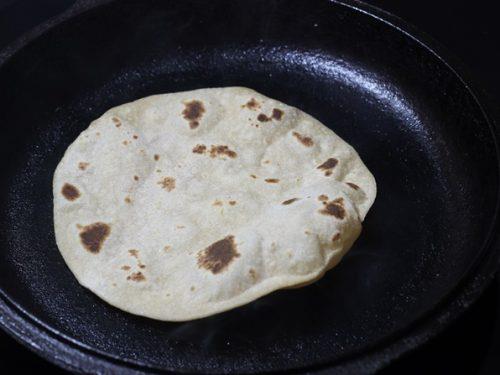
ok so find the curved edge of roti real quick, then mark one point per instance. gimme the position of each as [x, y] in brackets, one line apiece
[179, 206]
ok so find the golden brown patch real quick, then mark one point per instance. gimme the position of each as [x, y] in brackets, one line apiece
[70, 192]
[193, 112]
[306, 141]
[266, 162]
[217, 203]
[125, 268]
[157, 157]
[136, 178]
[192, 289]
[263, 118]
[336, 237]
[83, 165]
[217, 257]
[323, 198]
[167, 248]
[128, 200]
[334, 208]
[272, 180]
[199, 149]
[289, 201]
[93, 236]
[167, 183]
[116, 121]
[232, 203]
[134, 253]
[125, 142]
[328, 165]
[180, 226]
[277, 114]
[136, 276]
[354, 186]
[222, 150]
[251, 104]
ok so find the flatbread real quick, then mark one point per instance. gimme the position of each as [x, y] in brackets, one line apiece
[183, 205]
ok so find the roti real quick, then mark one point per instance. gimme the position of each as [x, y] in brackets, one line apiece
[183, 205]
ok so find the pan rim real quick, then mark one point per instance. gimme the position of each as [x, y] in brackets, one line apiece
[48, 342]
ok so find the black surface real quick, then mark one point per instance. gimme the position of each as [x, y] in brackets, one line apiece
[430, 142]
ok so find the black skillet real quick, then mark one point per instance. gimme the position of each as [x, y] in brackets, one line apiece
[429, 245]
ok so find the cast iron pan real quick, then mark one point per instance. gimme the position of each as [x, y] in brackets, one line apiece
[429, 245]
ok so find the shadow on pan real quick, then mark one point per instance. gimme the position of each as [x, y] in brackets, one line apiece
[429, 245]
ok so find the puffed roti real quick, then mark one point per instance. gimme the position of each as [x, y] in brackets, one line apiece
[184, 205]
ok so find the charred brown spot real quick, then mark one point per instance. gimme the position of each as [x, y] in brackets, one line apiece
[135, 136]
[125, 268]
[167, 183]
[251, 104]
[217, 203]
[277, 114]
[272, 180]
[134, 253]
[117, 122]
[157, 157]
[222, 150]
[336, 237]
[253, 176]
[334, 208]
[192, 289]
[70, 192]
[141, 265]
[93, 236]
[232, 203]
[199, 149]
[83, 165]
[306, 141]
[354, 186]
[136, 276]
[128, 200]
[193, 112]
[323, 198]
[136, 178]
[328, 165]
[218, 255]
[290, 201]
[263, 118]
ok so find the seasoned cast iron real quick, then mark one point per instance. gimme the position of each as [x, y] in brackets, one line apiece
[429, 245]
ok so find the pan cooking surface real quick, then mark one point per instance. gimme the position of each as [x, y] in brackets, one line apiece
[415, 125]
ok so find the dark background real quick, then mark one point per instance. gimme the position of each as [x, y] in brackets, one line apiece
[470, 31]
